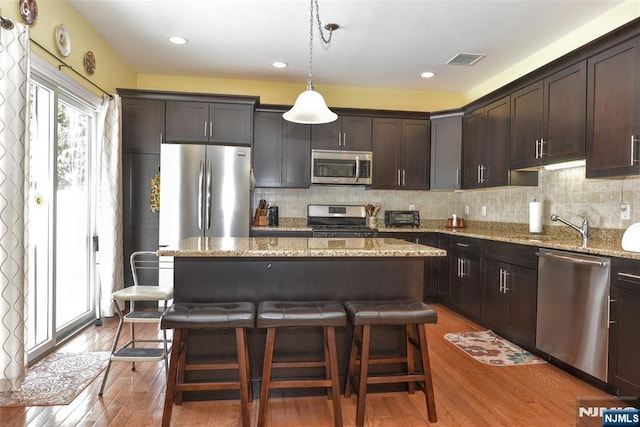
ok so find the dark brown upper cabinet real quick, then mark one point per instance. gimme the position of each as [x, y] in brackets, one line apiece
[613, 111]
[220, 123]
[352, 133]
[446, 152]
[142, 125]
[548, 119]
[281, 152]
[401, 153]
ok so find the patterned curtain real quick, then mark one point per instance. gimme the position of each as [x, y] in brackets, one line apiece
[110, 274]
[14, 167]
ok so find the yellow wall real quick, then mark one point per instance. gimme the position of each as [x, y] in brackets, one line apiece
[111, 70]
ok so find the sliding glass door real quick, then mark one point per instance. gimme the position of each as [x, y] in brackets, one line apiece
[61, 260]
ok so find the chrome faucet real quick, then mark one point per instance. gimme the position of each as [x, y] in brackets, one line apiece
[584, 230]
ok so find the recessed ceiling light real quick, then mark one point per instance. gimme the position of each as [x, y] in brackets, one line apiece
[279, 64]
[427, 74]
[177, 40]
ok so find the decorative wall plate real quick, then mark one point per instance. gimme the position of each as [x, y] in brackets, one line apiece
[89, 63]
[63, 40]
[29, 11]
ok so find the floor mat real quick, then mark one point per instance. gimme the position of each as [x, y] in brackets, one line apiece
[489, 348]
[57, 379]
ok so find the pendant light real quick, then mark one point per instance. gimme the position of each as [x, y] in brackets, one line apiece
[310, 107]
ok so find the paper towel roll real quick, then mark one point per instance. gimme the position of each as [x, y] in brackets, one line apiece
[535, 217]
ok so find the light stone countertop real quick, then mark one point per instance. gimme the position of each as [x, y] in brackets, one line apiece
[603, 242]
[300, 247]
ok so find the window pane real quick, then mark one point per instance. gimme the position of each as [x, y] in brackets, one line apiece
[72, 214]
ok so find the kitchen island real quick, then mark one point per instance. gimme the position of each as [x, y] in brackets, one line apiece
[294, 268]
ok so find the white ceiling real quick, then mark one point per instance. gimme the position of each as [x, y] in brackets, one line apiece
[380, 43]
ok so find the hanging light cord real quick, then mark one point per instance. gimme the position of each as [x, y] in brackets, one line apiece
[324, 39]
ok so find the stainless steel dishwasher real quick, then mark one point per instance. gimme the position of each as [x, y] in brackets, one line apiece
[573, 309]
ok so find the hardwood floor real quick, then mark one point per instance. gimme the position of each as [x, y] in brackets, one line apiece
[467, 393]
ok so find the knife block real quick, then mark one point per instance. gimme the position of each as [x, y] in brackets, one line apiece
[260, 217]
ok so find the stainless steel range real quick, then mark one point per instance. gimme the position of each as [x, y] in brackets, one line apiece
[338, 221]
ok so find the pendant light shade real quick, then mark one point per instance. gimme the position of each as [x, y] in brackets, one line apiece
[310, 109]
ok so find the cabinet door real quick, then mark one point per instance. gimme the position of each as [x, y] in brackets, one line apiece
[231, 124]
[296, 155]
[624, 344]
[267, 150]
[142, 125]
[565, 114]
[187, 121]
[472, 140]
[387, 137]
[613, 103]
[494, 301]
[455, 279]
[442, 286]
[526, 125]
[472, 286]
[446, 153]
[496, 144]
[356, 133]
[327, 136]
[521, 287]
[416, 154]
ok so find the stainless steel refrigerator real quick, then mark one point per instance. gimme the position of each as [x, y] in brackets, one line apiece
[204, 191]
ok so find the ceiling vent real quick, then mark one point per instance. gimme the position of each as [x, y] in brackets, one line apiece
[465, 59]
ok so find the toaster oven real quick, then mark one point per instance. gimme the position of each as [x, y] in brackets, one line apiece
[402, 218]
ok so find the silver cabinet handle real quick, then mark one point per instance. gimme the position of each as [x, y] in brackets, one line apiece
[479, 175]
[205, 128]
[505, 273]
[399, 183]
[462, 245]
[404, 182]
[462, 272]
[339, 139]
[634, 141]
[344, 139]
[629, 276]
[210, 129]
[542, 142]
[458, 177]
[537, 148]
[161, 139]
[501, 287]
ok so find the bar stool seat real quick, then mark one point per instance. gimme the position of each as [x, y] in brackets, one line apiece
[414, 315]
[183, 317]
[280, 314]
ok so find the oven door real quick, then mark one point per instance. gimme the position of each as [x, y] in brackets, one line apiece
[341, 167]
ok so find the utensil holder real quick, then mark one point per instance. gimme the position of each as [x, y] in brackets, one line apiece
[260, 218]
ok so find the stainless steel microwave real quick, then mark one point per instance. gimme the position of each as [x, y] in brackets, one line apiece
[341, 167]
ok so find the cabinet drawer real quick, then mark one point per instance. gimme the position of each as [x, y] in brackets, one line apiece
[625, 273]
[511, 253]
[465, 244]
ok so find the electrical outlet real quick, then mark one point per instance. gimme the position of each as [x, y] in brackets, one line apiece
[466, 210]
[625, 212]
[484, 211]
[412, 207]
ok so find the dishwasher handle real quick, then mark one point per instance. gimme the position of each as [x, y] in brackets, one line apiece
[575, 259]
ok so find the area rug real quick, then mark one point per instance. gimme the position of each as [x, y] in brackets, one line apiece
[57, 379]
[489, 348]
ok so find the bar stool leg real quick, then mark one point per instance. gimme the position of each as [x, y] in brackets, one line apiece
[171, 380]
[426, 369]
[364, 369]
[333, 370]
[182, 360]
[411, 367]
[353, 356]
[243, 374]
[266, 376]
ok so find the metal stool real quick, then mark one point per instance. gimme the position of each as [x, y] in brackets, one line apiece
[145, 269]
[183, 317]
[282, 314]
[411, 314]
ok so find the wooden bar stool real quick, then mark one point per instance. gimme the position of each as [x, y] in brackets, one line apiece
[183, 317]
[283, 314]
[413, 315]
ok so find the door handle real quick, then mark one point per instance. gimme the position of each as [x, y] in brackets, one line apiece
[208, 195]
[200, 193]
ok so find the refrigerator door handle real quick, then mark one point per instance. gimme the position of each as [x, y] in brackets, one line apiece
[208, 195]
[200, 195]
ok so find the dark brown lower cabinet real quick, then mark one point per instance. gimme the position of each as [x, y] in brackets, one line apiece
[624, 339]
[465, 275]
[509, 275]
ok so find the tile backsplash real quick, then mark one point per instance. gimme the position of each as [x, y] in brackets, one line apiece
[563, 192]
